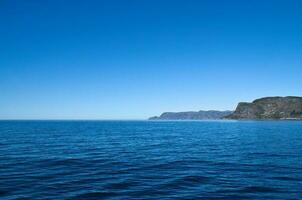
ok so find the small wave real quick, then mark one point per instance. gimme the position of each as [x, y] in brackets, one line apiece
[196, 179]
[286, 178]
[186, 181]
[94, 195]
[258, 189]
[3, 193]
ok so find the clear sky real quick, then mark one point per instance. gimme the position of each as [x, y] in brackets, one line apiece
[134, 59]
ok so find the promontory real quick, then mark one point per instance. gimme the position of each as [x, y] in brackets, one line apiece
[289, 107]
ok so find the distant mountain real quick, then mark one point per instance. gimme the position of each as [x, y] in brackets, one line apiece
[191, 115]
[269, 108]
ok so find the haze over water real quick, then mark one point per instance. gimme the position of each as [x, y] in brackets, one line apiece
[150, 159]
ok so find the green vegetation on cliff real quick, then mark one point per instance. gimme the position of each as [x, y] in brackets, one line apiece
[269, 108]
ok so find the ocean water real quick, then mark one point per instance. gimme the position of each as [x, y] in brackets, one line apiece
[150, 160]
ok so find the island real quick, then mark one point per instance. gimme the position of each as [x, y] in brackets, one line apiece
[289, 107]
[193, 115]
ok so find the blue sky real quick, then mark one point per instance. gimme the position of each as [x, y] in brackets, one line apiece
[134, 59]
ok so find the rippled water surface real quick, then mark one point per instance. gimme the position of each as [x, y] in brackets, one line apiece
[150, 160]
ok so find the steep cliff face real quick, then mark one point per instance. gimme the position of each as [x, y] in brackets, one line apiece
[269, 108]
[191, 115]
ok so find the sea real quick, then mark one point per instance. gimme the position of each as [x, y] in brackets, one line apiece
[150, 160]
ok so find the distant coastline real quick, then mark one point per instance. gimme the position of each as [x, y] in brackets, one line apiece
[266, 108]
[192, 115]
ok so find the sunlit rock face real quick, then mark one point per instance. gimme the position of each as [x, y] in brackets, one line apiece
[269, 108]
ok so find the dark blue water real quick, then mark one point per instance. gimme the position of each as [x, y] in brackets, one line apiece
[150, 160]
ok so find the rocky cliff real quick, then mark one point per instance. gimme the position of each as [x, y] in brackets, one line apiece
[191, 115]
[269, 108]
